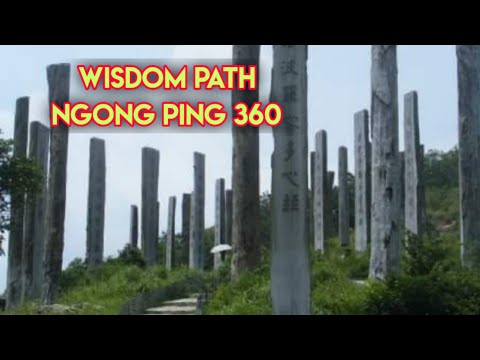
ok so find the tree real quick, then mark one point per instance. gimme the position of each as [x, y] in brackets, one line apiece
[441, 169]
[17, 176]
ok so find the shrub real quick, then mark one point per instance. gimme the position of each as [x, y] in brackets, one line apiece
[430, 252]
[250, 295]
[74, 275]
[333, 291]
[455, 292]
[131, 255]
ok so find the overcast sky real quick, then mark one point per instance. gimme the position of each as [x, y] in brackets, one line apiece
[339, 86]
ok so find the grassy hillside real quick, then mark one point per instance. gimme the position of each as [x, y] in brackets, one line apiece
[432, 280]
[105, 289]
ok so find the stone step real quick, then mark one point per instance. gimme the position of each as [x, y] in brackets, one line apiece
[168, 314]
[173, 310]
[181, 302]
[360, 282]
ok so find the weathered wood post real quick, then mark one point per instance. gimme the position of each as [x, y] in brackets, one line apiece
[186, 201]
[219, 219]
[150, 173]
[197, 220]
[313, 156]
[311, 202]
[320, 191]
[362, 181]
[290, 270]
[35, 213]
[422, 196]
[134, 226]
[157, 229]
[401, 179]
[328, 209]
[343, 210]
[17, 209]
[413, 167]
[228, 216]
[59, 93]
[468, 57]
[385, 163]
[245, 175]
[96, 202]
[170, 246]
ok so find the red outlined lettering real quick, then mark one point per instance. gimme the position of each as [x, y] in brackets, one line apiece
[82, 114]
[198, 80]
[57, 112]
[212, 114]
[251, 77]
[131, 77]
[256, 116]
[90, 77]
[273, 107]
[180, 82]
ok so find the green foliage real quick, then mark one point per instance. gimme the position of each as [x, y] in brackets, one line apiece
[131, 255]
[333, 291]
[76, 274]
[441, 169]
[104, 289]
[113, 283]
[445, 293]
[432, 281]
[441, 190]
[443, 209]
[18, 176]
[116, 284]
[430, 252]
[221, 276]
[250, 295]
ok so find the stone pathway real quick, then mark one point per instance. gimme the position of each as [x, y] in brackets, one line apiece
[186, 306]
[360, 282]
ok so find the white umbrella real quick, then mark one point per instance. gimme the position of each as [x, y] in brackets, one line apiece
[220, 248]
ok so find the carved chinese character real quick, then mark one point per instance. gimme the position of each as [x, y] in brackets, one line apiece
[291, 124]
[290, 177]
[290, 93]
[290, 151]
[288, 67]
[286, 203]
[291, 203]
[294, 203]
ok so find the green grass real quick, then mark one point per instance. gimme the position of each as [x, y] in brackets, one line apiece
[250, 295]
[116, 284]
[431, 282]
[333, 292]
[104, 290]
